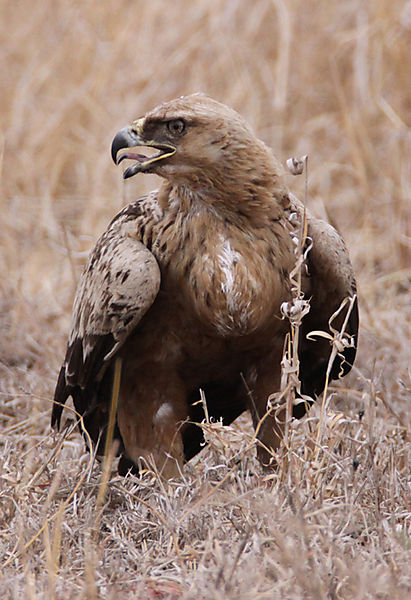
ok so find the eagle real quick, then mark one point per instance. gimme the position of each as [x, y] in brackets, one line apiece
[186, 288]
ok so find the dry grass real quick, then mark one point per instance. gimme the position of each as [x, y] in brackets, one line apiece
[326, 78]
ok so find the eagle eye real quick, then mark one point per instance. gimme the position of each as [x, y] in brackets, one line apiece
[176, 126]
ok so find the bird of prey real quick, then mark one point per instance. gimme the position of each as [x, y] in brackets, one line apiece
[186, 287]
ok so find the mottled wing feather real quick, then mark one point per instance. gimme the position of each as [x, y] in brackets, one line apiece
[330, 280]
[119, 284]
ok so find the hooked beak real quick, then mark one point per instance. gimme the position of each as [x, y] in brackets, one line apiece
[129, 137]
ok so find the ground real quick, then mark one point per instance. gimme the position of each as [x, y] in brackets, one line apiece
[327, 79]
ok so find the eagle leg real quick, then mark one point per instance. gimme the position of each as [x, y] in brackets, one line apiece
[150, 412]
[262, 379]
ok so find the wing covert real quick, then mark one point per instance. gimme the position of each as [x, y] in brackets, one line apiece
[329, 281]
[118, 286]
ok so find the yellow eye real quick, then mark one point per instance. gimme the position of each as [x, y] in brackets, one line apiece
[176, 126]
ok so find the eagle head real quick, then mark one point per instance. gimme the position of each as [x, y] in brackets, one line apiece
[198, 140]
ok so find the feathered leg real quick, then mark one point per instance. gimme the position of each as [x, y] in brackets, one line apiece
[152, 408]
[262, 380]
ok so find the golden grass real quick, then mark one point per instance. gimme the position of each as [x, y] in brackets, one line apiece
[324, 78]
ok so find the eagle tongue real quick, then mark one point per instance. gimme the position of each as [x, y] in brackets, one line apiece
[132, 156]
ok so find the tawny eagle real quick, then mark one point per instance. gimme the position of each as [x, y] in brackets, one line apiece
[186, 286]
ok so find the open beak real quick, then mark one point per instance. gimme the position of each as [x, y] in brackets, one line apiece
[128, 137]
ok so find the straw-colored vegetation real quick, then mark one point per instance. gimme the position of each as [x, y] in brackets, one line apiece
[326, 78]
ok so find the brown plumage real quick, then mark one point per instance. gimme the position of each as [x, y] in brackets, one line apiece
[186, 286]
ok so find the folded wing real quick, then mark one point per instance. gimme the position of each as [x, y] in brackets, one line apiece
[330, 281]
[119, 284]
